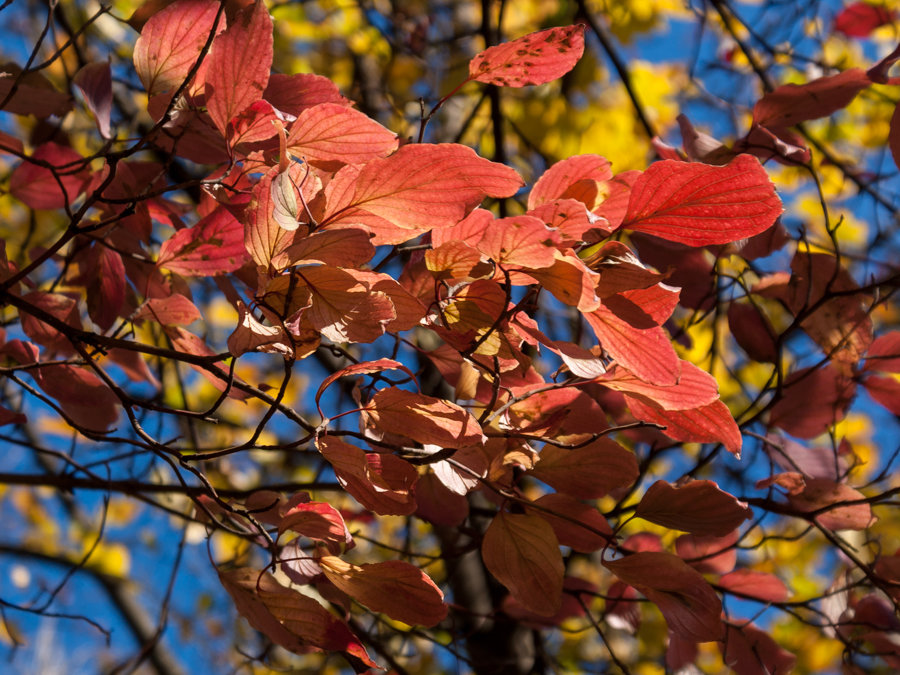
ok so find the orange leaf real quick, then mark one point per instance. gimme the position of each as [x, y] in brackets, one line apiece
[171, 41]
[520, 240]
[425, 419]
[522, 553]
[571, 178]
[791, 104]
[212, 247]
[331, 132]
[239, 65]
[699, 204]
[710, 423]
[534, 59]
[174, 309]
[400, 590]
[287, 617]
[699, 507]
[695, 388]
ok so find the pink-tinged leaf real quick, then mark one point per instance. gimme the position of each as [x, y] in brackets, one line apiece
[212, 247]
[821, 493]
[380, 482]
[572, 220]
[711, 423]
[699, 204]
[239, 65]
[620, 269]
[8, 416]
[577, 525]
[689, 604]
[708, 554]
[695, 388]
[522, 553]
[171, 42]
[334, 133]
[647, 352]
[812, 400]
[534, 59]
[256, 123]
[749, 651]
[884, 391]
[753, 331]
[61, 307]
[759, 585]
[884, 354]
[95, 82]
[418, 188]
[520, 240]
[469, 230]
[400, 590]
[816, 462]
[43, 187]
[589, 472]
[859, 19]
[172, 310]
[791, 104]
[580, 178]
[698, 507]
[319, 521]
[82, 395]
[424, 419]
[292, 94]
[252, 335]
[185, 341]
[408, 309]
[362, 368]
[348, 247]
[34, 94]
[570, 281]
[287, 617]
[616, 194]
[456, 260]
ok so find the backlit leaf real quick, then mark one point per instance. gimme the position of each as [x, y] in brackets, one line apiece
[331, 132]
[424, 418]
[534, 59]
[698, 507]
[213, 246]
[522, 553]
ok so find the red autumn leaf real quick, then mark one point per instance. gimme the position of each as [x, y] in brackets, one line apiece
[753, 331]
[569, 280]
[34, 94]
[708, 554]
[212, 247]
[348, 247]
[53, 186]
[287, 617]
[439, 505]
[859, 19]
[185, 341]
[106, 287]
[883, 354]
[576, 592]
[408, 309]
[292, 94]
[711, 423]
[681, 654]
[689, 604]
[699, 507]
[172, 310]
[760, 585]
[571, 219]
[256, 123]
[822, 461]
[749, 651]
[418, 188]
[520, 240]
[620, 269]
[362, 368]
[61, 307]
[522, 553]
[812, 400]
[589, 472]
[95, 82]
[646, 352]
[534, 59]
[171, 42]
[252, 335]
[699, 204]
[400, 590]
[695, 388]
[822, 493]
[577, 525]
[331, 132]
[239, 65]
[884, 391]
[580, 178]
[791, 104]
[82, 395]
[425, 419]
[382, 483]
[319, 521]
[455, 260]
[623, 607]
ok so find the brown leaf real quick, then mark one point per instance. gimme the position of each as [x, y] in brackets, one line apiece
[589, 472]
[699, 507]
